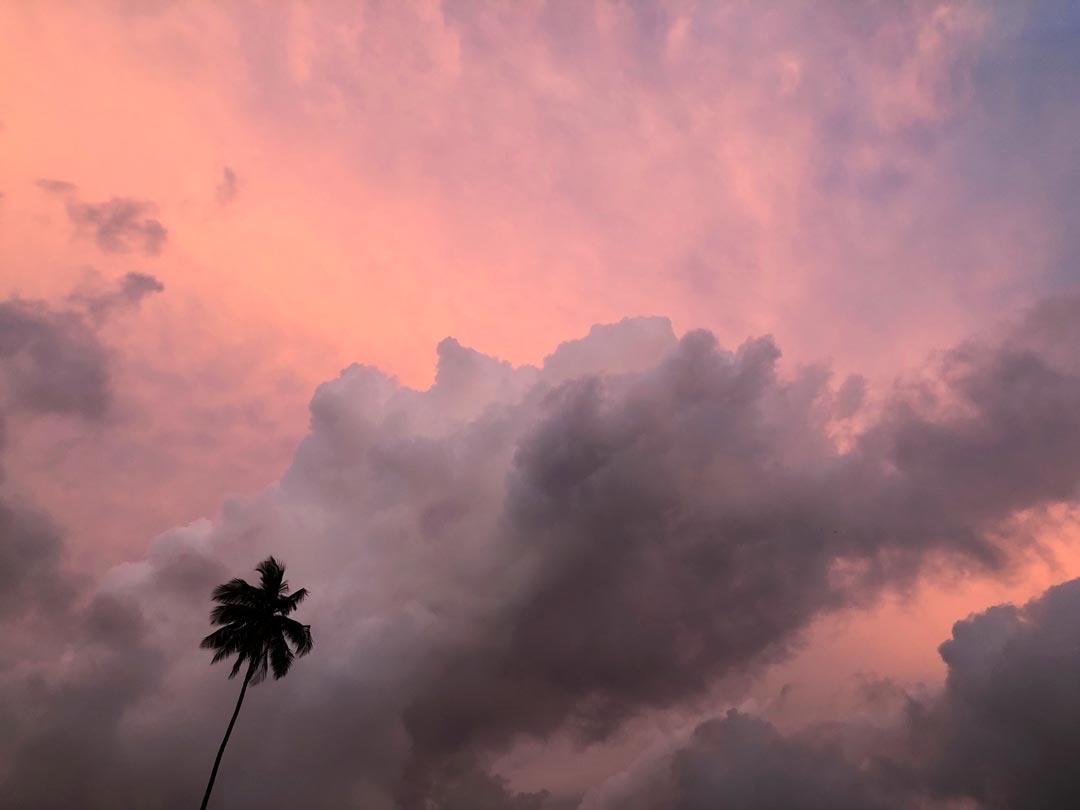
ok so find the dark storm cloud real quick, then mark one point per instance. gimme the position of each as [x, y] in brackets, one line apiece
[75, 715]
[120, 225]
[1004, 734]
[463, 784]
[1007, 729]
[688, 521]
[742, 762]
[55, 765]
[516, 552]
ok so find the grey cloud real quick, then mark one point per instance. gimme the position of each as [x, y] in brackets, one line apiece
[102, 302]
[51, 360]
[75, 714]
[32, 580]
[689, 520]
[633, 344]
[228, 187]
[740, 761]
[120, 225]
[463, 784]
[56, 186]
[1003, 734]
[55, 763]
[850, 396]
[515, 552]
[1007, 729]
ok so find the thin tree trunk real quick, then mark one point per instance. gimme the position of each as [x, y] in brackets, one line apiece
[228, 731]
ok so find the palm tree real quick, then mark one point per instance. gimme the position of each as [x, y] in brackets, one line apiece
[256, 628]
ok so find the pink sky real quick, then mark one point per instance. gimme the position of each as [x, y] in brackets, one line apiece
[856, 180]
[505, 177]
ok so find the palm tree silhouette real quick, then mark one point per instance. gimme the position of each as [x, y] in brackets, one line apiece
[256, 628]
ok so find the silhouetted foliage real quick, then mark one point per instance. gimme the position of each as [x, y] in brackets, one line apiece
[254, 626]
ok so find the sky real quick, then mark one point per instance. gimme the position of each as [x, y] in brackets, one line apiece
[665, 403]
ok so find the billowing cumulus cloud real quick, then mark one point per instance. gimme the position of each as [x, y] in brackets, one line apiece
[520, 551]
[740, 761]
[1006, 729]
[1001, 735]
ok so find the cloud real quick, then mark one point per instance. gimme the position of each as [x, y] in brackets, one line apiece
[1001, 735]
[690, 519]
[31, 577]
[52, 363]
[520, 551]
[112, 667]
[741, 761]
[557, 160]
[51, 360]
[57, 186]
[464, 784]
[470, 545]
[120, 225]
[100, 303]
[228, 188]
[1007, 725]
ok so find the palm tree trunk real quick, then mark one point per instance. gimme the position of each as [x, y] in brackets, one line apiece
[228, 731]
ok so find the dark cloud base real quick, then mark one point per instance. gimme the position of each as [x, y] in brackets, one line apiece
[1002, 735]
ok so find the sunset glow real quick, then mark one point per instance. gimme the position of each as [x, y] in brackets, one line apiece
[656, 398]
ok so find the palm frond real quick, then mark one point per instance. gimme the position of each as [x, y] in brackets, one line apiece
[225, 652]
[298, 634]
[287, 604]
[235, 614]
[228, 636]
[259, 669]
[236, 665]
[271, 575]
[281, 657]
[253, 624]
[238, 592]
